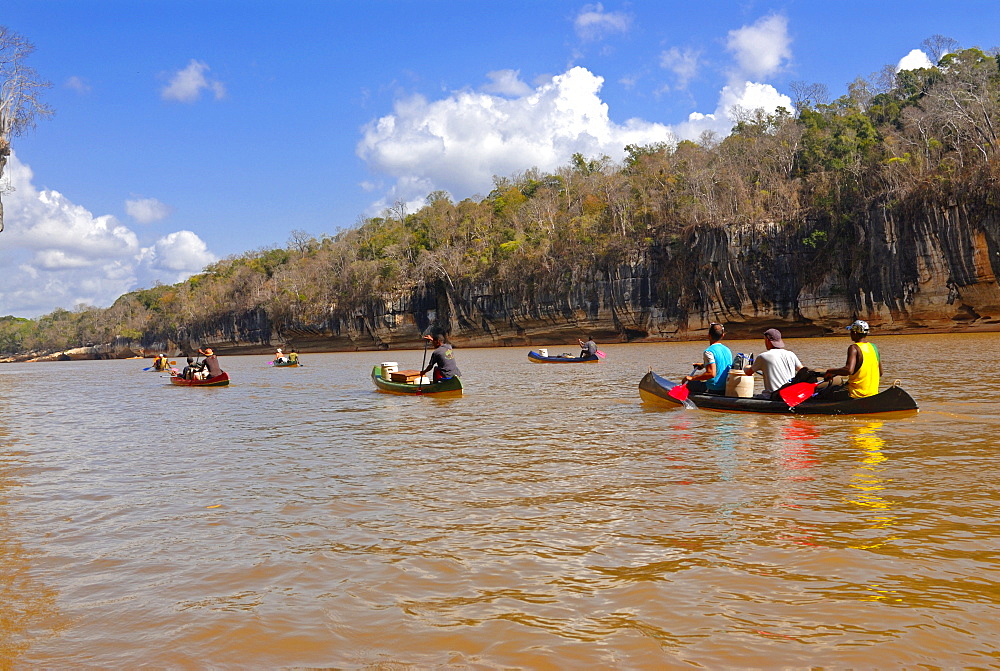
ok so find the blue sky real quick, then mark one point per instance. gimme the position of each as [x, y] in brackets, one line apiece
[190, 131]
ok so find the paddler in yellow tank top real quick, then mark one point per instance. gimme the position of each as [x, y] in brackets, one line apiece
[863, 367]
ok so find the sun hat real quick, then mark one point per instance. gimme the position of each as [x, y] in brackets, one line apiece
[858, 326]
[774, 335]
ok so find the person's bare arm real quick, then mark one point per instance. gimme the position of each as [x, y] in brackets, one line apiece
[854, 360]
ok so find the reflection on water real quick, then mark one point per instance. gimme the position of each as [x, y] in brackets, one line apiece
[869, 482]
[26, 604]
[547, 518]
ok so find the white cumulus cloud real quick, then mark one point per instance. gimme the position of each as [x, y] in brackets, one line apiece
[176, 257]
[762, 48]
[914, 60]
[459, 143]
[186, 85]
[734, 102]
[59, 254]
[147, 210]
[593, 22]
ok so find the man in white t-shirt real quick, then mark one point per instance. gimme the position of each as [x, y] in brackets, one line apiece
[777, 364]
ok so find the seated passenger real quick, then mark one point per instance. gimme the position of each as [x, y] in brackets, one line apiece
[863, 368]
[588, 350]
[190, 369]
[716, 360]
[777, 364]
[442, 359]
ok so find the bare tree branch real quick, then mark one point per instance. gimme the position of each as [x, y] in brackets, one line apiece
[20, 94]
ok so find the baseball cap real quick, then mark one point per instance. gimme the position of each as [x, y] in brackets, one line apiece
[774, 335]
[858, 326]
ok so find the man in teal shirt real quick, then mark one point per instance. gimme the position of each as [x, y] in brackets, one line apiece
[717, 360]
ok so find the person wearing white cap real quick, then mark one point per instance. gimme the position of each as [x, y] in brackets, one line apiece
[279, 357]
[777, 364]
[863, 367]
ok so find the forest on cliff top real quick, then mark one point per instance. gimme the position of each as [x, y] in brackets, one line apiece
[928, 134]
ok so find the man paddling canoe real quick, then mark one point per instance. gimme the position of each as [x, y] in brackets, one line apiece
[588, 349]
[863, 368]
[442, 359]
[716, 360]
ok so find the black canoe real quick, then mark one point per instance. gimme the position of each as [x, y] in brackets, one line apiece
[653, 389]
[535, 357]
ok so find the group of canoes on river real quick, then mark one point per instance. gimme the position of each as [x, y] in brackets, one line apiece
[724, 382]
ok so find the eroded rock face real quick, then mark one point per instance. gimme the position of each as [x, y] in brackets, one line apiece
[918, 267]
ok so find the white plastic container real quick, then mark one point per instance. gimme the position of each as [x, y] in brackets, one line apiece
[422, 381]
[739, 385]
[543, 352]
[389, 367]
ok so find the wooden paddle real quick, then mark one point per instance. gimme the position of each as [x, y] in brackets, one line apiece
[420, 382]
[794, 394]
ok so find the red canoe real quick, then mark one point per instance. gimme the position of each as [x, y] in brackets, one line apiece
[220, 380]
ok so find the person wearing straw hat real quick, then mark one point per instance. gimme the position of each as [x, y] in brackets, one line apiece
[777, 364]
[863, 367]
[211, 362]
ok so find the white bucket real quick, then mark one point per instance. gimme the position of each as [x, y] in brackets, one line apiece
[739, 385]
[389, 367]
[543, 352]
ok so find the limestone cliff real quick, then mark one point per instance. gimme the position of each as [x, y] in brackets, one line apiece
[912, 267]
[909, 269]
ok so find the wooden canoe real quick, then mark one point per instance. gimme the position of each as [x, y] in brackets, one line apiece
[287, 364]
[535, 357]
[220, 380]
[454, 385]
[653, 389]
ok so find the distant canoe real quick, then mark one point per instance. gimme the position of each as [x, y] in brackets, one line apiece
[653, 388]
[286, 364]
[454, 385]
[535, 357]
[220, 380]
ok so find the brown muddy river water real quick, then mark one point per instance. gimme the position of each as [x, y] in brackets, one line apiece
[545, 519]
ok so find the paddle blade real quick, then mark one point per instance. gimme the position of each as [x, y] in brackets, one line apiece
[679, 392]
[600, 354]
[797, 393]
[148, 368]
